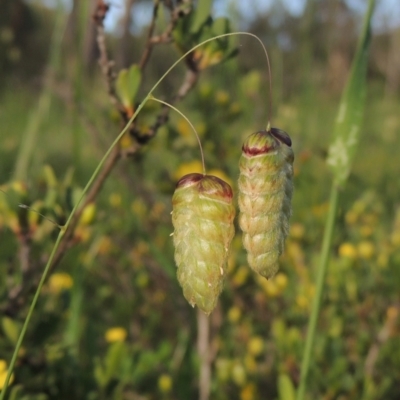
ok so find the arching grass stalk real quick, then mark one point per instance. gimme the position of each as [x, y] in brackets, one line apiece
[85, 190]
[191, 125]
[341, 153]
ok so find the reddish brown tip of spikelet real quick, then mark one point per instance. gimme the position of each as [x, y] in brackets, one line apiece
[263, 142]
[209, 185]
[265, 192]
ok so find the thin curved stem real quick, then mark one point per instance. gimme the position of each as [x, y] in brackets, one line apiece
[191, 125]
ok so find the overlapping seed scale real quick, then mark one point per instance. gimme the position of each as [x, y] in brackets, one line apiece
[202, 216]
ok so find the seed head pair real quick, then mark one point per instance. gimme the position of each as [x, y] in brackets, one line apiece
[203, 214]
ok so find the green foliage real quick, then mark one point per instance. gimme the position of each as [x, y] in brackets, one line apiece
[127, 86]
[198, 26]
[285, 388]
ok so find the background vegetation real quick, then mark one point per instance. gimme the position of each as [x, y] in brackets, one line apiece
[111, 321]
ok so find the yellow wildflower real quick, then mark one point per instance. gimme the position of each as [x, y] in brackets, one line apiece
[165, 383]
[187, 168]
[239, 374]
[88, 214]
[366, 249]
[139, 207]
[240, 276]
[302, 301]
[126, 141]
[366, 230]
[250, 364]
[3, 374]
[297, 231]
[248, 392]
[104, 245]
[255, 346]
[348, 250]
[184, 128]
[234, 314]
[281, 280]
[351, 217]
[395, 238]
[383, 260]
[222, 97]
[116, 334]
[115, 200]
[269, 286]
[223, 368]
[60, 281]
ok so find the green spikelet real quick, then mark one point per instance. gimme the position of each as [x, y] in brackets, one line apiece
[202, 215]
[265, 194]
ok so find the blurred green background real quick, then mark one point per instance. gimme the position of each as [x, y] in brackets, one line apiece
[111, 321]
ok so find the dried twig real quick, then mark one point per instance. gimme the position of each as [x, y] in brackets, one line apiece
[166, 36]
[149, 45]
[107, 67]
[383, 336]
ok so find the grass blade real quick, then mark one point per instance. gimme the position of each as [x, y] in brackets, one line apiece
[348, 121]
[341, 153]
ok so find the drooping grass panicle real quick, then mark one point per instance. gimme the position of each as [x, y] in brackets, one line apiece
[265, 193]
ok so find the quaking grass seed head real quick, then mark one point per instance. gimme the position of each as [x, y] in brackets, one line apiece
[202, 216]
[265, 194]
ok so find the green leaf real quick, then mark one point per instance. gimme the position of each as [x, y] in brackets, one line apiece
[220, 26]
[11, 329]
[15, 392]
[285, 388]
[127, 85]
[99, 374]
[52, 184]
[113, 359]
[351, 108]
[202, 14]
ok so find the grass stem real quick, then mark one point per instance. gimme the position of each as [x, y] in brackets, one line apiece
[323, 265]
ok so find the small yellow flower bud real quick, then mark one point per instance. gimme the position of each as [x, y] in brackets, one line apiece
[281, 281]
[255, 346]
[115, 200]
[116, 334]
[88, 214]
[60, 281]
[250, 364]
[297, 231]
[165, 383]
[240, 276]
[347, 250]
[239, 374]
[302, 301]
[234, 314]
[188, 168]
[351, 217]
[248, 392]
[223, 367]
[222, 97]
[366, 250]
[3, 374]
